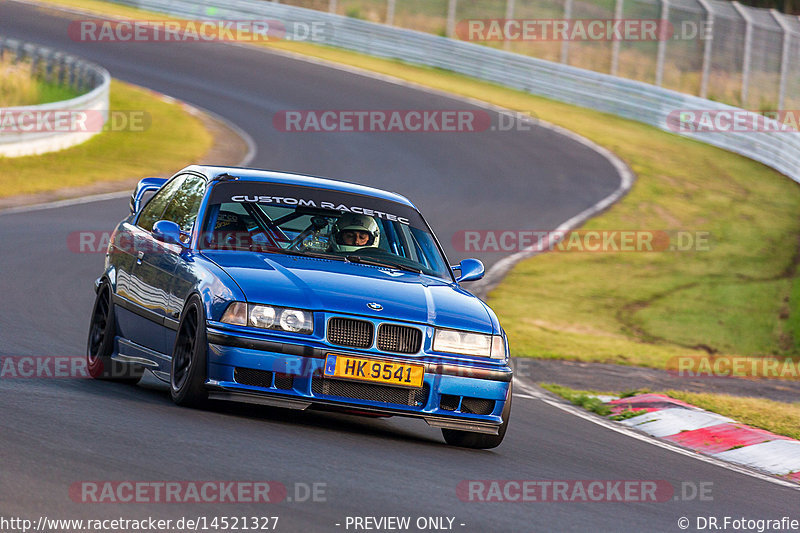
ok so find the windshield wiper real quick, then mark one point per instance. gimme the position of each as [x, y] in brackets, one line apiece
[366, 260]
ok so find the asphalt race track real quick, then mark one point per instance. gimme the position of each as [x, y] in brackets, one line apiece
[55, 433]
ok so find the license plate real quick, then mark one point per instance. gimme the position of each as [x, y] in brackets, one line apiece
[374, 370]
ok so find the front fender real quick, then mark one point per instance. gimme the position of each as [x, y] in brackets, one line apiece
[215, 287]
[109, 275]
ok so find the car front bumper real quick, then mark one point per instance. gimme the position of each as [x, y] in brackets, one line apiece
[463, 397]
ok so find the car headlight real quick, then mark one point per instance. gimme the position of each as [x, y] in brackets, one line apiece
[467, 343]
[269, 317]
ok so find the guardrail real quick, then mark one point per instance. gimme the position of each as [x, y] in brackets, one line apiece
[32, 130]
[742, 55]
[622, 97]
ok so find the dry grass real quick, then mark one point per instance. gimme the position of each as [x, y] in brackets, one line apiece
[17, 87]
[778, 417]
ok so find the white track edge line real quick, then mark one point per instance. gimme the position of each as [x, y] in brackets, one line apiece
[649, 439]
[499, 269]
[252, 149]
[64, 203]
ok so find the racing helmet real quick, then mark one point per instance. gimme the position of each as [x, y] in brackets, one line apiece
[354, 222]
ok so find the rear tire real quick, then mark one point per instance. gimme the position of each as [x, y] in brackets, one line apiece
[188, 373]
[100, 346]
[469, 439]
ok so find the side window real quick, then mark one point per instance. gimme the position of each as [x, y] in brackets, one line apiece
[151, 213]
[184, 205]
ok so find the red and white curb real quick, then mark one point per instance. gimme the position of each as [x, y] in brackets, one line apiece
[711, 434]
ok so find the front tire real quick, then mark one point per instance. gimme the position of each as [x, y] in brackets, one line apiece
[468, 439]
[188, 373]
[100, 346]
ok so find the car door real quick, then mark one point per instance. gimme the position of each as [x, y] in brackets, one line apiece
[142, 305]
[182, 210]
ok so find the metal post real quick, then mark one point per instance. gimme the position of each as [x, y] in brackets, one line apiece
[748, 49]
[509, 16]
[72, 78]
[662, 43]
[451, 18]
[79, 78]
[62, 69]
[34, 63]
[49, 67]
[615, 43]
[19, 53]
[565, 42]
[709, 39]
[787, 41]
[332, 7]
[390, 12]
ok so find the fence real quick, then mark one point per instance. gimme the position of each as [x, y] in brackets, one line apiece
[57, 68]
[632, 99]
[717, 49]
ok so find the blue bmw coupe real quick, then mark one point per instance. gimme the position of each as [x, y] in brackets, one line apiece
[299, 292]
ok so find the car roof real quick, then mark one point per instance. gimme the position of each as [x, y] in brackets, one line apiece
[289, 178]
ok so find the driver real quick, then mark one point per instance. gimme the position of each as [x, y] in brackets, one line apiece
[353, 232]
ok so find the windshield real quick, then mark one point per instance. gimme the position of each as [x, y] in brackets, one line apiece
[277, 218]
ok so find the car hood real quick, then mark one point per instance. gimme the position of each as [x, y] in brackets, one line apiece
[343, 287]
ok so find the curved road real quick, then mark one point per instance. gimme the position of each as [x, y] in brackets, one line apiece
[58, 432]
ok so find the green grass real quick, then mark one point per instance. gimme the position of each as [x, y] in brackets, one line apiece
[174, 139]
[792, 312]
[778, 417]
[643, 308]
[54, 93]
[640, 308]
[626, 414]
[580, 398]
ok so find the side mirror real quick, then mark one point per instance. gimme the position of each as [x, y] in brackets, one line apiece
[145, 189]
[471, 270]
[168, 232]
